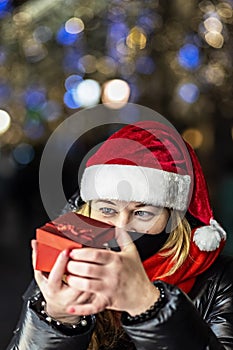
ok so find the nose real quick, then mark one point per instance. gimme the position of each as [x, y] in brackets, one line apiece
[124, 220]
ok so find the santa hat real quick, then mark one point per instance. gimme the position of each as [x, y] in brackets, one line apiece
[149, 162]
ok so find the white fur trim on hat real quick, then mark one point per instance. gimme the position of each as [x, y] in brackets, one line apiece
[134, 183]
[208, 238]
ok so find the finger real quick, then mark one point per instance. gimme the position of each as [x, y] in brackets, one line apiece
[40, 278]
[85, 284]
[58, 270]
[98, 256]
[124, 240]
[84, 298]
[87, 309]
[83, 269]
[34, 252]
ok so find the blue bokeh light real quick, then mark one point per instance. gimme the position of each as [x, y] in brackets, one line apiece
[23, 153]
[34, 99]
[117, 31]
[70, 101]
[189, 56]
[51, 110]
[145, 65]
[2, 55]
[149, 21]
[5, 7]
[5, 91]
[189, 92]
[65, 38]
[71, 61]
[73, 81]
[34, 129]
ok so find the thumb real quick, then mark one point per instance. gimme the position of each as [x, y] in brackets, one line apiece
[124, 240]
[34, 252]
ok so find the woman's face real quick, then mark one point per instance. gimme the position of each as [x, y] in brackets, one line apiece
[132, 216]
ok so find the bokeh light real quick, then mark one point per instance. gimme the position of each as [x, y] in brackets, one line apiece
[145, 65]
[51, 111]
[5, 121]
[87, 93]
[72, 81]
[224, 9]
[5, 91]
[188, 92]
[214, 74]
[23, 153]
[116, 93]
[65, 38]
[70, 101]
[34, 129]
[189, 56]
[74, 25]
[87, 63]
[5, 7]
[194, 137]
[214, 39]
[213, 24]
[42, 34]
[106, 65]
[34, 98]
[136, 39]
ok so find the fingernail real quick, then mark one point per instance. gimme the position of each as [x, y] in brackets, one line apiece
[71, 310]
[66, 253]
[71, 254]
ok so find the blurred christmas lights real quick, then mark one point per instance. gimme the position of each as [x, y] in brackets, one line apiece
[55, 57]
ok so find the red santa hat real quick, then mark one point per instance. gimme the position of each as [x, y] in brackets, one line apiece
[149, 162]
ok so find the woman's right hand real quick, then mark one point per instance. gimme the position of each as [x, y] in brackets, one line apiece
[57, 294]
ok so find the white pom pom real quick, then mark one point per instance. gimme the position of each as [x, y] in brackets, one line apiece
[208, 238]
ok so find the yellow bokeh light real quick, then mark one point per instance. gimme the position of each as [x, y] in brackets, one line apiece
[224, 10]
[74, 25]
[13, 135]
[214, 74]
[106, 65]
[88, 62]
[116, 93]
[136, 39]
[5, 121]
[194, 137]
[214, 39]
[206, 6]
[212, 24]
[22, 18]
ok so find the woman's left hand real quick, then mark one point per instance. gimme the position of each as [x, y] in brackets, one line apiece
[117, 280]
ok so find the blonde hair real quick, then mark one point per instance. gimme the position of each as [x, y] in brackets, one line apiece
[178, 242]
[108, 328]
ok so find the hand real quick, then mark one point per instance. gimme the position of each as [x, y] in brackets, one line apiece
[117, 280]
[58, 295]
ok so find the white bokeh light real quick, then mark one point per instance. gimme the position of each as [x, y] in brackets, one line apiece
[116, 93]
[5, 121]
[87, 93]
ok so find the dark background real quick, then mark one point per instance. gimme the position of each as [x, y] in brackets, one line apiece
[172, 25]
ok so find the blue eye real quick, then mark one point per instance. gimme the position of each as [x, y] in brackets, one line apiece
[107, 211]
[143, 214]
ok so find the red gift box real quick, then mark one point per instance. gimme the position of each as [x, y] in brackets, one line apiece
[69, 231]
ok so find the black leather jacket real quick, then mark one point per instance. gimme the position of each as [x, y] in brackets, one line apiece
[203, 320]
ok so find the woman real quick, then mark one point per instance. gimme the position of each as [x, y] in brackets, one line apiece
[168, 289]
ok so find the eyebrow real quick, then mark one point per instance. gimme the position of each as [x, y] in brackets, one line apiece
[140, 205]
[105, 201]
